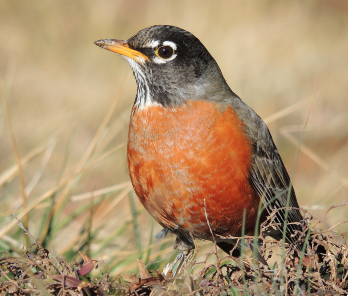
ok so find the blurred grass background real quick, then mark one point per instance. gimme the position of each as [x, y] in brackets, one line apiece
[60, 86]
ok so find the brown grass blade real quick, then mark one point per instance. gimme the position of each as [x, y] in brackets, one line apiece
[100, 220]
[86, 156]
[99, 192]
[11, 172]
[45, 158]
[286, 111]
[53, 190]
[18, 158]
[315, 157]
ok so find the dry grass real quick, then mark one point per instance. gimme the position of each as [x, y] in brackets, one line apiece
[69, 104]
[41, 271]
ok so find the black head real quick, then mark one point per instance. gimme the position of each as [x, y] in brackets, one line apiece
[170, 65]
[171, 48]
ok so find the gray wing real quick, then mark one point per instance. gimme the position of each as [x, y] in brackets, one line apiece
[268, 174]
[271, 181]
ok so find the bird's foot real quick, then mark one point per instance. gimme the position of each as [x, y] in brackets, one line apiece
[180, 260]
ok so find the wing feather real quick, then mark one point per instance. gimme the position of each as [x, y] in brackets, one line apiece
[268, 174]
[271, 181]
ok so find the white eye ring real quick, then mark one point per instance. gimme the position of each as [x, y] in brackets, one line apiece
[152, 44]
[161, 60]
[171, 44]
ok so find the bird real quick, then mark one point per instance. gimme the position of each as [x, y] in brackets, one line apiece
[200, 160]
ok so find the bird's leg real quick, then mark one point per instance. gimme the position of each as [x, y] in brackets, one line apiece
[181, 259]
[184, 255]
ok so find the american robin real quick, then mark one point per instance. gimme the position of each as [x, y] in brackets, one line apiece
[198, 156]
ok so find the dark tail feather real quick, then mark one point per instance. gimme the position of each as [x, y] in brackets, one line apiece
[227, 247]
[320, 250]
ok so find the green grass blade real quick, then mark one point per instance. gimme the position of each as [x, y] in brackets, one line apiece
[136, 228]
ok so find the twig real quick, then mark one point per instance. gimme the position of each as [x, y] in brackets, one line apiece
[331, 208]
[212, 234]
[24, 229]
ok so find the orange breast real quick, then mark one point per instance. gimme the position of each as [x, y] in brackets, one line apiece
[181, 159]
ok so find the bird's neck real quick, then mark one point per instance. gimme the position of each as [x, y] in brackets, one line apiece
[144, 98]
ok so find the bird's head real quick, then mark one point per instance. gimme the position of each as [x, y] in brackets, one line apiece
[170, 65]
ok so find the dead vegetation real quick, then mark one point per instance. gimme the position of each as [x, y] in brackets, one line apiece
[40, 271]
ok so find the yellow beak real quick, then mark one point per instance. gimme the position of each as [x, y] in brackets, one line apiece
[121, 47]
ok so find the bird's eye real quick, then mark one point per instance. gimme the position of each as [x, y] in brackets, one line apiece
[165, 52]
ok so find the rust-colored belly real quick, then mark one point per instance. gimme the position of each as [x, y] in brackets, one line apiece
[187, 160]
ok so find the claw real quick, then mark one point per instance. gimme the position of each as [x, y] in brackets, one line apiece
[178, 262]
